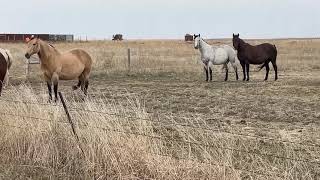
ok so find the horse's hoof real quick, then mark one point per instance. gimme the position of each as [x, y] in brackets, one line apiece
[247, 79]
[74, 88]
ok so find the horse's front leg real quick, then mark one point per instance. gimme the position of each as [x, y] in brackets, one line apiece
[49, 84]
[55, 80]
[243, 69]
[206, 71]
[247, 69]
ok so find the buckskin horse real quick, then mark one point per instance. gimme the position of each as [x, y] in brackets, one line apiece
[259, 54]
[74, 64]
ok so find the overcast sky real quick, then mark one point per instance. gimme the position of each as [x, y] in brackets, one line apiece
[163, 18]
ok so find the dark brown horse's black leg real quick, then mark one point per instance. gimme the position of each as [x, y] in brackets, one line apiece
[49, 90]
[247, 69]
[237, 77]
[55, 89]
[267, 70]
[210, 73]
[244, 70]
[205, 69]
[275, 69]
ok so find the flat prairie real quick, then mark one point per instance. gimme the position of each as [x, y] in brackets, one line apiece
[159, 119]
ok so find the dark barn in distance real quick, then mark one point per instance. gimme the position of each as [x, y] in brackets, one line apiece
[117, 37]
[188, 37]
[45, 37]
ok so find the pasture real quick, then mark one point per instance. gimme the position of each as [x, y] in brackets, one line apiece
[161, 120]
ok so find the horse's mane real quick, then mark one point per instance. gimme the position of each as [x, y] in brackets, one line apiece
[242, 42]
[205, 41]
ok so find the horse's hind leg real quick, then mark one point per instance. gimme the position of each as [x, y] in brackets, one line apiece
[81, 79]
[6, 79]
[275, 69]
[267, 70]
[75, 87]
[227, 72]
[86, 85]
[210, 71]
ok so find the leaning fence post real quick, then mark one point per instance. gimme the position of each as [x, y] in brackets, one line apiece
[70, 121]
[129, 59]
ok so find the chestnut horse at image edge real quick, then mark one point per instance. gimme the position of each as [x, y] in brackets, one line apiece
[5, 64]
[259, 54]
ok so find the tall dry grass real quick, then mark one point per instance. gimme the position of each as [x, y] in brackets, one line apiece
[132, 144]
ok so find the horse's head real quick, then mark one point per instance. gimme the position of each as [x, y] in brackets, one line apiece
[196, 41]
[236, 41]
[33, 46]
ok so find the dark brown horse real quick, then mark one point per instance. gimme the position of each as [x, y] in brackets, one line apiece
[260, 54]
[3, 70]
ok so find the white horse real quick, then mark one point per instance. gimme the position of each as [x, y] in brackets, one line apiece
[215, 55]
[8, 57]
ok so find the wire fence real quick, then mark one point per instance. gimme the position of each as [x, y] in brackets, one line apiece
[315, 161]
[200, 126]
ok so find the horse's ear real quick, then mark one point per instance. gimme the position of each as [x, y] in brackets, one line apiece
[233, 34]
[27, 39]
[199, 35]
[238, 35]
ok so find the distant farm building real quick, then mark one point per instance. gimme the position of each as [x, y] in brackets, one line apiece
[188, 37]
[46, 37]
[117, 37]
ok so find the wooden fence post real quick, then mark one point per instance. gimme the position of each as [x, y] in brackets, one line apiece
[71, 122]
[129, 59]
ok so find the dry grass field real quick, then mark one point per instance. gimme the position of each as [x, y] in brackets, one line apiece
[161, 120]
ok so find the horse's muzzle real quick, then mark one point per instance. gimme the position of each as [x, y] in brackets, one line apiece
[27, 55]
